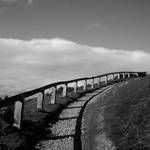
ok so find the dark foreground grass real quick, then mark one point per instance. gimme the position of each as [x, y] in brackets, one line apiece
[127, 115]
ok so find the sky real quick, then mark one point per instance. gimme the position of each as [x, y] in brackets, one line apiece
[42, 41]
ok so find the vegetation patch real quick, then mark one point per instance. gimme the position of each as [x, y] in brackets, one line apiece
[127, 115]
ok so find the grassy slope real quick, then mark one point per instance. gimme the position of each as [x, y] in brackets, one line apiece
[127, 116]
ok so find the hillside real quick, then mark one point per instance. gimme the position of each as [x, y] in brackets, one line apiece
[120, 118]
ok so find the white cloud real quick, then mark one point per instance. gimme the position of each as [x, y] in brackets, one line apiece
[9, 1]
[28, 2]
[96, 25]
[29, 64]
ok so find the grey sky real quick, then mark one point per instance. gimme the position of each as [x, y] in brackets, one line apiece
[114, 24]
[42, 41]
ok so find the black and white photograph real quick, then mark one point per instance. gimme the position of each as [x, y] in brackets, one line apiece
[74, 75]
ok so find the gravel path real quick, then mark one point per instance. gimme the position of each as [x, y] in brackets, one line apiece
[64, 131]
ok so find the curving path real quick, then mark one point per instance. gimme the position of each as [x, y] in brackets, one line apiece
[94, 136]
[66, 133]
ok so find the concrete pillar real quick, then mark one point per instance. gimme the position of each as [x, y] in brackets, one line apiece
[99, 81]
[53, 95]
[118, 75]
[113, 76]
[75, 87]
[18, 113]
[92, 84]
[49, 91]
[123, 74]
[110, 76]
[40, 100]
[46, 91]
[134, 75]
[106, 80]
[65, 90]
[128, 75]
[85, 84]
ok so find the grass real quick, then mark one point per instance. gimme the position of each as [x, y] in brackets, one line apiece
[127, 116]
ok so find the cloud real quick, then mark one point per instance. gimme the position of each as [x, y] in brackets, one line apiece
[28, 2]
[9, 1]
[96, 25]
[29, 64]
